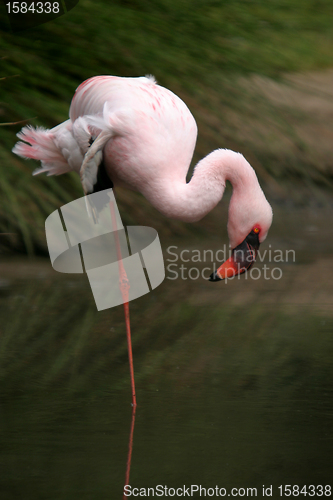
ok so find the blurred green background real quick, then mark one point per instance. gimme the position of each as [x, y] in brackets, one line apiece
[234, 381]
[255, 74]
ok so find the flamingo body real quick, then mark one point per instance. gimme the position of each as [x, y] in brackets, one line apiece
[152, 129]
[145, 136]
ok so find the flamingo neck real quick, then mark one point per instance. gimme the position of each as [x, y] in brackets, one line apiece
[191, 201]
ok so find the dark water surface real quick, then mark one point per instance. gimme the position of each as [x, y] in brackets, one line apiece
[234, 382]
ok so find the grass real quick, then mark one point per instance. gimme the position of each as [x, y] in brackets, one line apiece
[204, 51]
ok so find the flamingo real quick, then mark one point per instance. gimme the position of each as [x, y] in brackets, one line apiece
[134, 133]
[131, 132]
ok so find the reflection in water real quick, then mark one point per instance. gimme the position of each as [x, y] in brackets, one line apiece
[234, 385]
[130, 448]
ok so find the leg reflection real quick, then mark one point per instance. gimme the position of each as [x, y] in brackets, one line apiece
[129, 455]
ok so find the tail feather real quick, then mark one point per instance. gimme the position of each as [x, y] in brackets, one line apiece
[74, 145]
[56, 149]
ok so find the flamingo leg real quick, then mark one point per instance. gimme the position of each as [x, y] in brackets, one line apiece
[124, 288]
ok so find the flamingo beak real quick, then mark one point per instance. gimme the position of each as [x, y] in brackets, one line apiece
[241, 259]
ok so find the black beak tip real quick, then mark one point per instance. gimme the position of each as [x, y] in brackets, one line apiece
[214, 277]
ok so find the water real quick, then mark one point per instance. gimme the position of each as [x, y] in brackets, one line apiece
[234, 382]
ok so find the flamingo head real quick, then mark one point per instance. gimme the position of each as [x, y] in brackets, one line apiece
[249, 220]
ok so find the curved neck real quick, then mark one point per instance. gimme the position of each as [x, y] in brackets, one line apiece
[191, 201]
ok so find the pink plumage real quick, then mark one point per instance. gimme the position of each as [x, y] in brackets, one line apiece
[144, 136]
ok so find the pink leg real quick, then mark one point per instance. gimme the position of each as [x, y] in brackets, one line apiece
[124, 288]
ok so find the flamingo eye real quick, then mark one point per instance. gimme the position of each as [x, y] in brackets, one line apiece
[256, 230]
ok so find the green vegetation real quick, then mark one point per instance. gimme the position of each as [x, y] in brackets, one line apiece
[52, 336]
[207, 52]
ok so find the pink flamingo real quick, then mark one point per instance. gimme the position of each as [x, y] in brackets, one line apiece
[134, 133]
